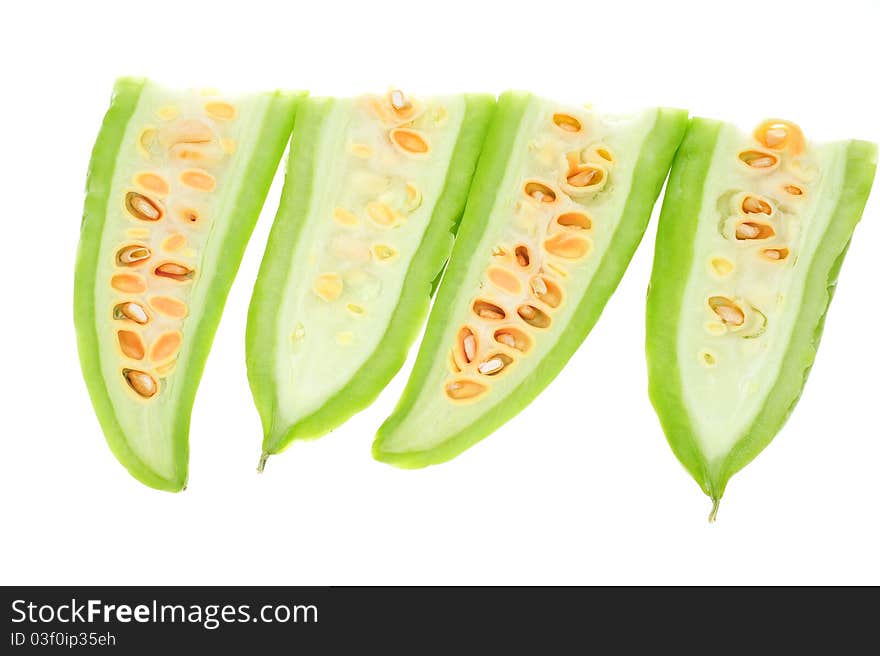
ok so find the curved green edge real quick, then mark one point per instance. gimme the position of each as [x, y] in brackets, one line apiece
[289, 218]
[408, 316]
[673, 258]
[674, 247]
[861, 163]
[650, 172]
[272, 139]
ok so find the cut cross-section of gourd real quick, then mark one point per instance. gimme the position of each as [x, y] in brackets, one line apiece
[560, 201]
[752, 235]
[168, 213]
[374, 191]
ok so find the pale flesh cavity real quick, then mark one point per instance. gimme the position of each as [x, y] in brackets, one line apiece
[168, 210]
[766, 204]
[552, 222]
[382, 162]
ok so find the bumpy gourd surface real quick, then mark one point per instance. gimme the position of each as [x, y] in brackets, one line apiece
[379, 167]
[174, 198]
[553, 220]
[758, 224]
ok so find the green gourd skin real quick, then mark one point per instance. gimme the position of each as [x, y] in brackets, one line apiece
[319, 139]
[256, 158]
[417, 413]
[675, 254]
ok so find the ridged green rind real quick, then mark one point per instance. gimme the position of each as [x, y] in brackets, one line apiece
[292, 211]
[678, 223]
[408, 317]
[861, 164]
[123, 104]
[673, 256]
[270, 144]
[654, 161]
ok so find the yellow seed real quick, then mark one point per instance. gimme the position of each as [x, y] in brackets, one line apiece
[383, 253]
[128, 283]
[344, 217]
[410, 141]
[152, 182]
[361, 150]
[189, 215]
[722, 266]
[131, 311]
[464, 389]
[441, 114]
[539, 191]
[143, 208]
[576, 220]
[174, 243]
[728, 311]
[328, 286]
[755, 205]
[715, 328]
[355, 309]
[567, 246]
[522, 256]
[547, 291]
[775, 254]
[219, 110]
[166, 346]
[777, 134]
[169, 306]
[504, 280]
[228, 145]
[198, 179]
[131, 344]
[567, 123]
[344, 338]
[146, 140]
[752, 230]
[758, 160]
[132, 255]
[533, 316]
[413, 197]
[141, 382]
[487, 310]
[168, 113]
[514, 338]
[174, 271]
[793, 190]
[381, 213]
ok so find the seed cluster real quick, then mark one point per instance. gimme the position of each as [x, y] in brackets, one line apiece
[389, 138]
[759, 224]
[525, 278]
[155, 266]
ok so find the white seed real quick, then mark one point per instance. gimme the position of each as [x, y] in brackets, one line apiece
[470, 347]
[491, 366]
[539, 286]
[506, 339]
[398, 100]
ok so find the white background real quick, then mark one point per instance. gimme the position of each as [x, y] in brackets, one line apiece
[579, 488]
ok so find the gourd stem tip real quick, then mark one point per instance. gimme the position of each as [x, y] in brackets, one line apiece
[716, 501]
[262, 464]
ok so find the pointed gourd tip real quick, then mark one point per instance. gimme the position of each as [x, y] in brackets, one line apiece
[713, 515]
[264, 456]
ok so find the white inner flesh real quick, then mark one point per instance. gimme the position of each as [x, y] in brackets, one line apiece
[726, 371]
[322, 342]
[148, 423]
[538, 154]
